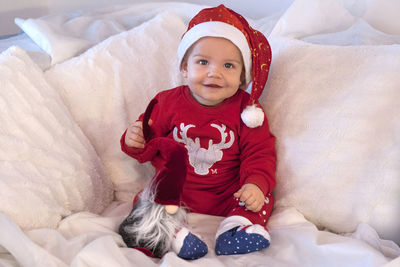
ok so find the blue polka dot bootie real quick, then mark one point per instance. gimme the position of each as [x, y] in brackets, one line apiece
[192, 248]
[238, 241]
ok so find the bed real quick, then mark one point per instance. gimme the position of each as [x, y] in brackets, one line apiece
[72, 82]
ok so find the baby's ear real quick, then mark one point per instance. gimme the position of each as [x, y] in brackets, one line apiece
[184, 69]
[243, 85]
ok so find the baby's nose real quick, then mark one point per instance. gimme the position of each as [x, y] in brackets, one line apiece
[214, 71]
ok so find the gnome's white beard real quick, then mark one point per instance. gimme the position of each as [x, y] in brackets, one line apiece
[150, 226]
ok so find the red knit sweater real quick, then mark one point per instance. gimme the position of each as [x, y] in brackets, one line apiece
[223, 153]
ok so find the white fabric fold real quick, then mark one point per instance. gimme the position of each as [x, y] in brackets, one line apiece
[86, 239]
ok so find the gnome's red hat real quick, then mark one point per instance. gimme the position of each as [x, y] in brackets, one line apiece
[171, 173]
[256, 52]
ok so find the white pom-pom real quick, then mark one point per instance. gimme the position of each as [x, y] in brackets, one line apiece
[252, 116]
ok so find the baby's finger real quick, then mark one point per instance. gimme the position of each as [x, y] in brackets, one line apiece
[137, 125]
[137, 132]
[250, 200]
[238, 193]
[134, 142]
[245, 196]
[136, 128]
[254, 206]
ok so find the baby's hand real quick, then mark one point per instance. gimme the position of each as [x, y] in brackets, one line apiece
[252, 196]
[134, 135]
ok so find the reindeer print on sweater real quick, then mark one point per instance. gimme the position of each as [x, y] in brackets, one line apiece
[200, 158]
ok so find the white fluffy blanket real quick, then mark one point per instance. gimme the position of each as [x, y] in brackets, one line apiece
[49, 169]
[332, 108]
[86, 239]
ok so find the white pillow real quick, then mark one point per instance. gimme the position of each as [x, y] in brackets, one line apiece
[48, 168]
[110, 85]
[308, 17]
[22, 40]
[383, 15]
[68, 34]
[59, 46]
[336, 115]
[361, 33]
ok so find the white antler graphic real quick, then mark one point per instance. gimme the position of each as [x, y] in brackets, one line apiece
[200, 158]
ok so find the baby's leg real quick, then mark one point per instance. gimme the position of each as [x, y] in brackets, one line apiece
[244, 231]
[188, 246]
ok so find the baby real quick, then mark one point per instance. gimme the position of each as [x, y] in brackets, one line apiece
[231, 152]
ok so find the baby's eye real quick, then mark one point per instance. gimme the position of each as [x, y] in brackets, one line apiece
[228, 65]
[203, 62]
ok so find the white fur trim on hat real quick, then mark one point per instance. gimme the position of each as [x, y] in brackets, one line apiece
[252, 116]
[217, 29]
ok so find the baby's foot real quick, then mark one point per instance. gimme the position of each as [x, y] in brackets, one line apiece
[188, 246]
[242, 240]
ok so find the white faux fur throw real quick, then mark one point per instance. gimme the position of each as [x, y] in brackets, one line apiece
[335, 113]
[110, 85]
[48, 167]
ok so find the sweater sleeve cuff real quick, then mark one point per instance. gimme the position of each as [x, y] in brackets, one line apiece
[258, 181]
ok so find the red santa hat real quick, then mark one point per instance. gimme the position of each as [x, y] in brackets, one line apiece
[171, 173]
[256, 52]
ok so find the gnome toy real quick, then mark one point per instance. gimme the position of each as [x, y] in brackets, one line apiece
[157, 222]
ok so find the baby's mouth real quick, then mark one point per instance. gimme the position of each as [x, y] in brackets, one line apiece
[212, 85]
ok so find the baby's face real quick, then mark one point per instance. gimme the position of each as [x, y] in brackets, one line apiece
[213, 68]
